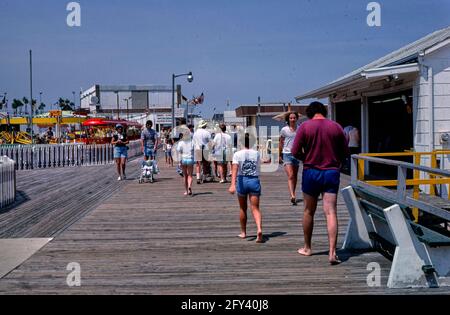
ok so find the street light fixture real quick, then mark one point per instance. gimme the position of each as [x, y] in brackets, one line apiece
[190, 79]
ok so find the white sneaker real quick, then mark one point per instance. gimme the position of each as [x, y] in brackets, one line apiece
[119, 179]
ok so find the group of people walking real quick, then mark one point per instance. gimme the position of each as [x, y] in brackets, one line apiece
[319, 144]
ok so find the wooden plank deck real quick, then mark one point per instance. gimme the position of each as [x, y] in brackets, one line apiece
[50, 200]
[150, 239]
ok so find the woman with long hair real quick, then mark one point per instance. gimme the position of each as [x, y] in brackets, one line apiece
[291, 164]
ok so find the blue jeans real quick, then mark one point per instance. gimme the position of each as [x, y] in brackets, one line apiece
[120, 152]
[149, 152]
[289, 159]
[248, 185]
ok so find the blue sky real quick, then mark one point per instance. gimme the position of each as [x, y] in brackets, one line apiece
[237, 49]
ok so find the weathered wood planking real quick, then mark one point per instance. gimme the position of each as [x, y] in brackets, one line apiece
[150, 239]
[48, 201]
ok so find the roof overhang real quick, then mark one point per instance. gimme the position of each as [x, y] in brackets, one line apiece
[325, 91]
[360, 79]
[389, 71]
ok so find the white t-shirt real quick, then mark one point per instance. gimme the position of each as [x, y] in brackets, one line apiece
[201, 138]
[353, 136]
[289, 137]
[222, 141]
[186, 149]
[249, 162]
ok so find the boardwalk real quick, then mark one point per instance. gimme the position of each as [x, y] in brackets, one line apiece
[150, 239]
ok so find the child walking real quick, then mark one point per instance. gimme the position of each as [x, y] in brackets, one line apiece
[185, 149]
[245, 181]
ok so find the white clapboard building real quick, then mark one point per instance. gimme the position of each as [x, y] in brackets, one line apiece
[398, 102]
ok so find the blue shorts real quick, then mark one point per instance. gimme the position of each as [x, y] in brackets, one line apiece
[248, 185]
[289, 159]
[187, 162]
[120, 152]
[316, 182]
[149, 152]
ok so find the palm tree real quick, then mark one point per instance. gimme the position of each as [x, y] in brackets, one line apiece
[65, 104]
[16, 104]
[25, 102]
[42, 107]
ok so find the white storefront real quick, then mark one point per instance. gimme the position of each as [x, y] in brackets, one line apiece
[405, 95]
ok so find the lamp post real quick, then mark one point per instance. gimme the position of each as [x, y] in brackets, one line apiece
[81, 95]
[118, 110]
[74, 103]
[190, 78]
[31, 97]
[127, 99]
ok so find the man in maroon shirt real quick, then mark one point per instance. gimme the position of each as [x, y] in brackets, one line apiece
[322, 146]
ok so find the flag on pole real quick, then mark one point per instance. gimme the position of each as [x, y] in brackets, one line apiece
[199, 100]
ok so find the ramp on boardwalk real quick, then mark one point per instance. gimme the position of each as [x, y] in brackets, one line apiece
[150, 239]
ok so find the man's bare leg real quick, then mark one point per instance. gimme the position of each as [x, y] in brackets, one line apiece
[308, 223]
[330, 209]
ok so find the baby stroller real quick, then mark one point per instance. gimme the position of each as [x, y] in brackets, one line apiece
[148, 172]
[207, 172]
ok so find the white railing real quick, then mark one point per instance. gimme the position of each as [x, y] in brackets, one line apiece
[7, 181]
[30, 157]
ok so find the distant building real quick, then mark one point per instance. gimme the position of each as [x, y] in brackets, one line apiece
[263, 116]
[218, 118]
[131, 99]
[230, 118]
[137, 102]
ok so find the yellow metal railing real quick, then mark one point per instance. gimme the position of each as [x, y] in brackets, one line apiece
[416, 181]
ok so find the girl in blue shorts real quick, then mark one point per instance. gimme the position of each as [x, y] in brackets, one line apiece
[185, 150]
[245, 181]
[120, 142]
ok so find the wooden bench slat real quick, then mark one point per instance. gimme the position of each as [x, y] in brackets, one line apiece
[374, 206]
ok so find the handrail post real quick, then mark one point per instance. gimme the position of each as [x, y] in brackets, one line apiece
[401, 182]
[361, 170]
[416, 191]
[354, 168]
[433, 165]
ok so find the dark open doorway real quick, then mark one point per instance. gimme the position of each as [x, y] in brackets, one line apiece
[348, 115]
[390, 128]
